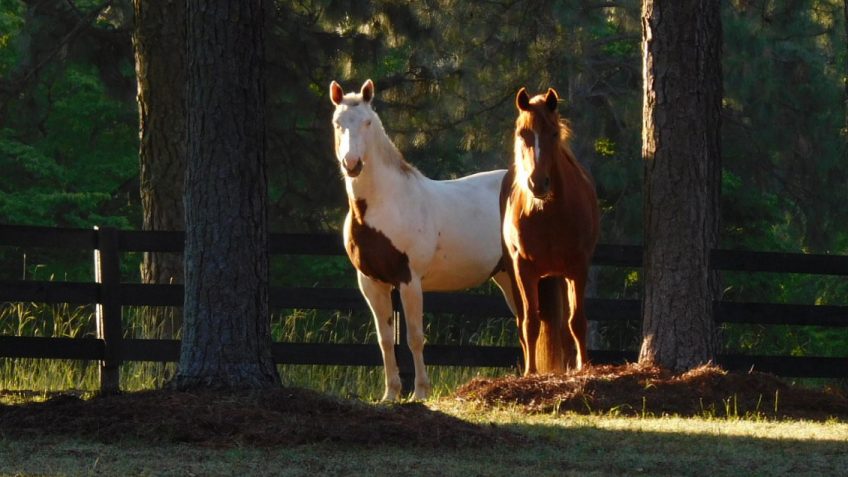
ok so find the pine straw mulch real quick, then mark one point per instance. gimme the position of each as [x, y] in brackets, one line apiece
[274, 418]
[636, 390]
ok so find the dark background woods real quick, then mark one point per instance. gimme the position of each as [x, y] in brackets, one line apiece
[446, 73]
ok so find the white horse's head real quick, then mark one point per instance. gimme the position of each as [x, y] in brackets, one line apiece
[352, 122]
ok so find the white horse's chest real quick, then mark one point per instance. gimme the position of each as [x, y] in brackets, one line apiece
[371, 250]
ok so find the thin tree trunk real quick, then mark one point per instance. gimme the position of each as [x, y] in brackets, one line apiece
[227, 337]
[682, 166]
[159, 45]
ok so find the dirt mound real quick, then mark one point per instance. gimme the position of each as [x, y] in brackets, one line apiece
[635, 390]
[283, 417]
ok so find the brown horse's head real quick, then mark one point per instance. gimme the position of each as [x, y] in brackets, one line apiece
[538, 136]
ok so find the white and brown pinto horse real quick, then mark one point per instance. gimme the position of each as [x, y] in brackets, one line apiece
[550, 229]
[409, 232]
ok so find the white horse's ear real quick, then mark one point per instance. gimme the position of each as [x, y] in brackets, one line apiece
[522, 100]
[367, 91]
[551, 99]
[336, 93]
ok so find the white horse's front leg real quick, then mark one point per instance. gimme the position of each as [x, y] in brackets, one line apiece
[379, 297]
[413, 310]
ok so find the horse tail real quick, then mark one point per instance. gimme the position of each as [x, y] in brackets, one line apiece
[554, 350]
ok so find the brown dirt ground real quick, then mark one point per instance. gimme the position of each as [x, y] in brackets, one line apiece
[290, 417]
[634, 390]
[280, 417]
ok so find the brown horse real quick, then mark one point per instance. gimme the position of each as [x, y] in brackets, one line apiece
[550, 229]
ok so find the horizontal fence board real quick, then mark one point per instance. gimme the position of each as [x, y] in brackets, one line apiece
[147, 241]
[781, 314]
[617, 255]
[49, 237]
[466, 304]
[469, 305]
[369, 355]
[777, 262]
[307, 244]
[49, 292]
[51, 348]
[794, 366]
[331, 244]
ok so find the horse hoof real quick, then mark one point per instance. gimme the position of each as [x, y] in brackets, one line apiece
[389, 397]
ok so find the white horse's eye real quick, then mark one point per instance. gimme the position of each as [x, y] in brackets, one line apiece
[368, 123]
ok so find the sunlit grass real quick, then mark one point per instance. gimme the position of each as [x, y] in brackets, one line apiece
[547, 444]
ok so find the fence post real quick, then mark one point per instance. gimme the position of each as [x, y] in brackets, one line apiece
[107, 268]
[402, 353]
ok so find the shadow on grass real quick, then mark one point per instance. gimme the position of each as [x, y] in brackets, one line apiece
[279, 417]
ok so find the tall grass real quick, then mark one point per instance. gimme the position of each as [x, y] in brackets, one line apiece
[298, 326]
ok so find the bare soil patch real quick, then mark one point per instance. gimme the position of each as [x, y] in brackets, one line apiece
[635, 390]
[280, 417]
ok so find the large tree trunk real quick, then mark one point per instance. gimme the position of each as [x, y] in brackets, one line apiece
[226, 336]
[681, 42]
[159, 45]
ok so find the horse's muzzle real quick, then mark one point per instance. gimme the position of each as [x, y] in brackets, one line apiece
[353, 172]
[540, 189]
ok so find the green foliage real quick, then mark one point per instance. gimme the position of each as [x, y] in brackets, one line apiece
[446, 75]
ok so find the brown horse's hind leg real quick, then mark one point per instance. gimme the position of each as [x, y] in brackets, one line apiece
[569, 344]
[577, 322]
[528, 286]
[555, 343]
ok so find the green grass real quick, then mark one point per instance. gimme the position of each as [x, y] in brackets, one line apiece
[556, 446]
[298, 326]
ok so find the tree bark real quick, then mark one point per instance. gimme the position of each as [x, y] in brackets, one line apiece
[681, 151]
[159, 46]
[226, 337]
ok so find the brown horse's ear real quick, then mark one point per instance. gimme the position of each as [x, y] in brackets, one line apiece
[522, 100]
[367, 91]
[336, 93]
[551, 99]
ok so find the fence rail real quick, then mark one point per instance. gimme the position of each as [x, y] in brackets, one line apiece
[110, 295]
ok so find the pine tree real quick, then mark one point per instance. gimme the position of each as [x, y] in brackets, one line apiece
[682, 160]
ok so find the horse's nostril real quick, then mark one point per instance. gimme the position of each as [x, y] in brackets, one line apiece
[547, 183]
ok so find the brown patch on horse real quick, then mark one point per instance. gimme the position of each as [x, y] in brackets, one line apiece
[371, 252]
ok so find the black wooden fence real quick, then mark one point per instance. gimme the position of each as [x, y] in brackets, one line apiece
[110, 295]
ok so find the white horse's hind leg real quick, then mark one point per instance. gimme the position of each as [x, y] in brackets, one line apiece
[503, 282]
[413, 310]
[379, 297]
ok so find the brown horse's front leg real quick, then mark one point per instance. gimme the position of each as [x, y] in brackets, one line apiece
[528, 286]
